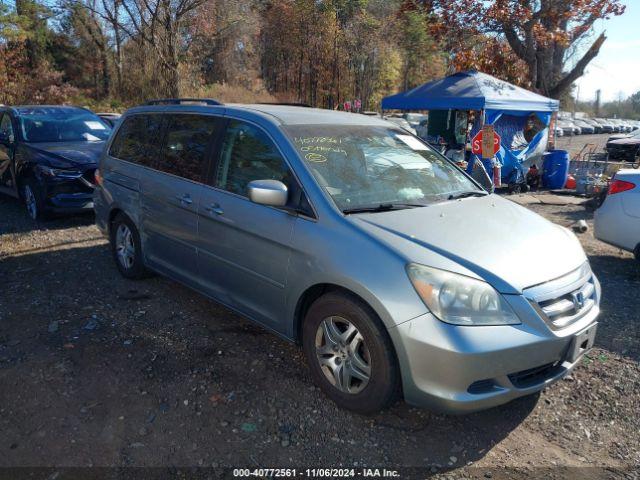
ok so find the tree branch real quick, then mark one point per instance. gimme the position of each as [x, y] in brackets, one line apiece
[578, 70]
[514, 42]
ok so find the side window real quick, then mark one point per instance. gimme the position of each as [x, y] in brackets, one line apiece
[185, 146]
[248, 154]
[6, 128]
[138, 140]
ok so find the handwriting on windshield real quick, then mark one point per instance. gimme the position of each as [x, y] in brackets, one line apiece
[315, 157]
[315, 149]
[307, 140]
[322, 149]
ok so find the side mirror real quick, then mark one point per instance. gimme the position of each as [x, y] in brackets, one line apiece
[6, 138]
[268, 192]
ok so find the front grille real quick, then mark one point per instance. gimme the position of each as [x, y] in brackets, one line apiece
[563, 301]
[535, 376]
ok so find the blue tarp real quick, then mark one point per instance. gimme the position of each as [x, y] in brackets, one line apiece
[470, 90]
[508, 125]
[474, 90]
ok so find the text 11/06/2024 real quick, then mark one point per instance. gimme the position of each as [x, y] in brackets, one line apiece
[316, 472]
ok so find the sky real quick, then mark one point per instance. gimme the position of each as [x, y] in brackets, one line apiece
[616, 69]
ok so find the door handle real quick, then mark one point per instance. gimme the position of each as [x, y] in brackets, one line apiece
[214, 208]
[185, 199]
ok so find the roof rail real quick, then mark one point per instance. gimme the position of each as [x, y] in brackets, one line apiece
[180, 101]
[288, 104]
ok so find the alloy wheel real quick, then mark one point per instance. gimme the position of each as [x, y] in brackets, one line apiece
[30, 202]
[125, 248]
[343, 354]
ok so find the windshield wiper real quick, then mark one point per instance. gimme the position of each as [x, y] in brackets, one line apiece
[382, 207]
[471, 193]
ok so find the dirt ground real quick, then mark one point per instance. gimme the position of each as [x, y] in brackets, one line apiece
[96, 370]
[574, 143]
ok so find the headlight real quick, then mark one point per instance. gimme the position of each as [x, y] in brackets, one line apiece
[58, 172]
[459, 299]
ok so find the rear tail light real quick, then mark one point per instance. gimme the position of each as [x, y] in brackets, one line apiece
[98, 177]
[618, 186]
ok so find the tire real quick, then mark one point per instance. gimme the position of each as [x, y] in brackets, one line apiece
[33, 199]
[126, 248]
[373, 348]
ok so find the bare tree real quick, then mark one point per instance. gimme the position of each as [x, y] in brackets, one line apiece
[91, 26]
[161, 24]
[111, 13]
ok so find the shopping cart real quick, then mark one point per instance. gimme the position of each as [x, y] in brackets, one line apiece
[590, 168]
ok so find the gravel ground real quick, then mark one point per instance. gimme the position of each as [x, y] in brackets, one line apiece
[574, 143]
[97, 370]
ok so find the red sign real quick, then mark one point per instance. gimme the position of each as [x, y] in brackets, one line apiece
[476, 144]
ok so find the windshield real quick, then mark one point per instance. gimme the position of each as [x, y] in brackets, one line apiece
[368, 166]
[61, 124]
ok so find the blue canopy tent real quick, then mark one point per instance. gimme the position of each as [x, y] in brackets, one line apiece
[474, 90]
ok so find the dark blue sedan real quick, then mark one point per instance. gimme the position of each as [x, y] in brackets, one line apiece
[49, 155]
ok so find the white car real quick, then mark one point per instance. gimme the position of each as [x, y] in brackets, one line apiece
[617, 221]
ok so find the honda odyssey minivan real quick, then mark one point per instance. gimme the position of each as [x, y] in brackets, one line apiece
[395, 271]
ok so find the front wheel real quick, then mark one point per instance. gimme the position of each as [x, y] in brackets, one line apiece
[350, 354]
[33, 200]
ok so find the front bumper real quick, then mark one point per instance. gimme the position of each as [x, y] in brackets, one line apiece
[461, 369]
[67, 195]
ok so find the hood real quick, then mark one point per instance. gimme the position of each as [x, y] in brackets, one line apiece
[492, 238]
[79, 153]
[626, 141]
[616, 137]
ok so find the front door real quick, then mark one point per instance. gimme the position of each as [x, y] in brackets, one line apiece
[244, 247]
[7, 147]
[171, 193]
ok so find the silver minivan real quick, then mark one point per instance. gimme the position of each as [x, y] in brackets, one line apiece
[395, 271]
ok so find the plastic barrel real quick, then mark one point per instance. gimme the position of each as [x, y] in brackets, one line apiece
[555, 169]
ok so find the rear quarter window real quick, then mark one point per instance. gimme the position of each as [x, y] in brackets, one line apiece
[138, 140]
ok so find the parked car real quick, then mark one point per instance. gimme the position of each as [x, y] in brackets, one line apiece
[567, 127]
[617, 126]
[558, 131]
[626, 125]
[388, 263]
[585, 128]
[607, 127]
[626, 147]
[597, 128]
[617, 136]
[577, 130]
[617, 221]
[110, 118]
[48, 156]
[402, 123]
[415, 119]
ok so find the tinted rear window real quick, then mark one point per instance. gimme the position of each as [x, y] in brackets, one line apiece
[138, 139]
[186, 145]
